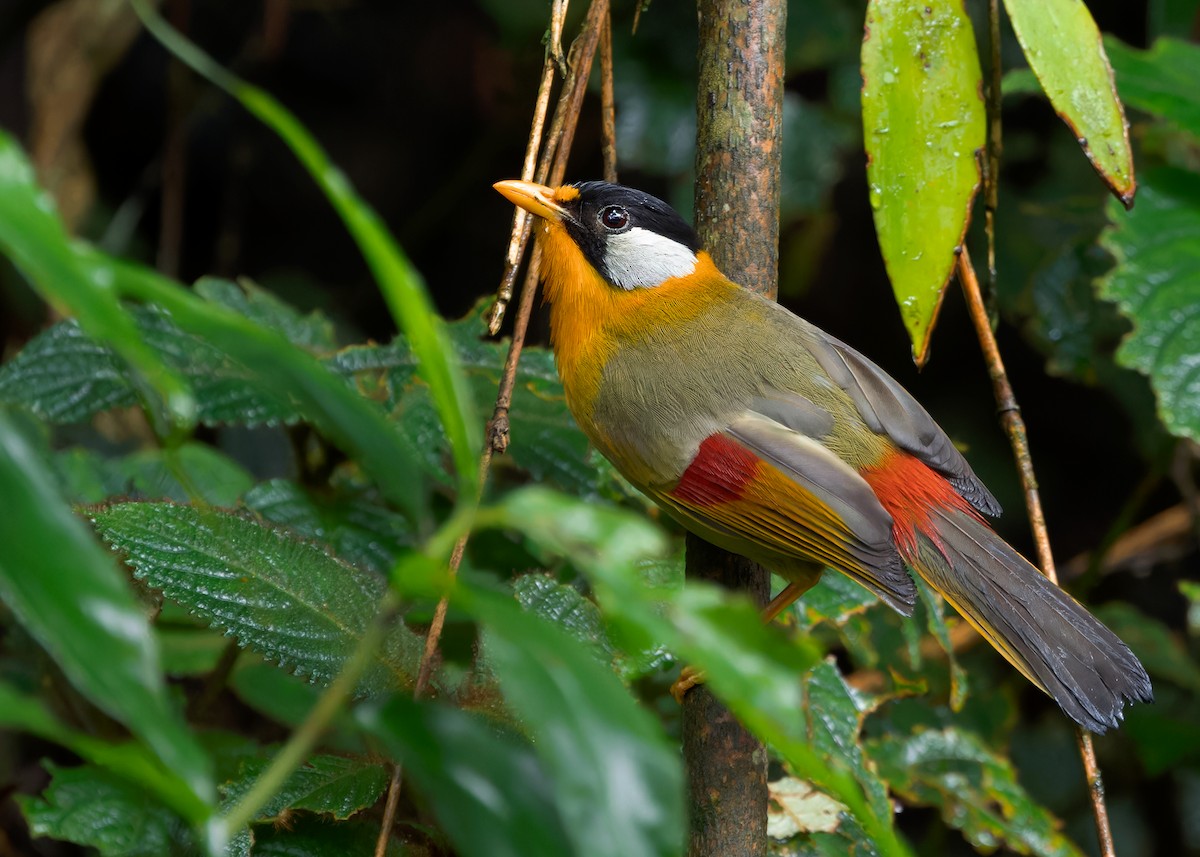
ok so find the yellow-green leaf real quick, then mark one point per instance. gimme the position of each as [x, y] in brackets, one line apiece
[923, 121]
[1063, 47]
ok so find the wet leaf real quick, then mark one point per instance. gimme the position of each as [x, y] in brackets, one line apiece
[356, 528]
[329, 785]
[290, 600]
[975, 789]
[90, 806]
[156, 474]
[1063, 47]
[1155, 284]
[310, 837]
[923, 122]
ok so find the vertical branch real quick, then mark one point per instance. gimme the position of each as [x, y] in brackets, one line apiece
[1014, 427]
[608, 109]
[739, 126]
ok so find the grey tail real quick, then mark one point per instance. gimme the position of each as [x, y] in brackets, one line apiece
[1037, 627]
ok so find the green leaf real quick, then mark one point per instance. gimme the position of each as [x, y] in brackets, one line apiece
[312, 332]
[976, 790]
[1163, 655]
[935, 620]
[544, 439]
[311, 837]
[923, 122]
[189, 651]
[71, 597]
[1161, 81]
[33, 237]
[330, 785]
[835, 600]
[399, 281]
[358, 530]
[192, 471]
[1155, 284]
[90, 806]
[466, 769]
[286, 598]
[834, 715]
[566, 608]
[750, 666]
[1191, 591]
[1063, 47]
[288, 699]
[618, 781]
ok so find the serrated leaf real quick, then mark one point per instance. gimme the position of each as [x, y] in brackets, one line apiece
[923, 122]
[313, 332]
[1161, 80]
[565, 607]
[834, 714]
[1063, 47]
[71, 597]
[976, 790]
[90, 806]
[288, 599]
[65, 376]
[1156, 284]
[329, 785]
[358, 530]
[835, 600]
[465, 769]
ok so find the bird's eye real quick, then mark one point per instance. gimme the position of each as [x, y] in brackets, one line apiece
[614, 217]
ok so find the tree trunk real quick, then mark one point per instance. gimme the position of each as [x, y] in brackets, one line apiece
[739, 133]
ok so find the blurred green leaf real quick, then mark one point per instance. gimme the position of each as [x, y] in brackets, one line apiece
[1161, 81]
[1160, 651]
[1155, 283]
[189, 651]
[1191, 591]
[923, 122]
[91, 806]
[290, 600]
[1063, 47]
[466, 770]
[975, 789]
[313, 331]
[934, 607]
[288, 700]
[70, 596]
[33, 237]
[356, 528]
[618, 782]
[167, 474]
[399, 281]
[329, 785]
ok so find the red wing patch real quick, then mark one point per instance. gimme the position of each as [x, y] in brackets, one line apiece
[718, 474]
[908, 489]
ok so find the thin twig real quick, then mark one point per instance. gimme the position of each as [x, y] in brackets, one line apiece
[1014, 426]
[991, 176]
[562, 134]
[608, 111]
[558, 17]
[521, 217]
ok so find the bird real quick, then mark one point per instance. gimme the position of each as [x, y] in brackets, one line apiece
[768, 437]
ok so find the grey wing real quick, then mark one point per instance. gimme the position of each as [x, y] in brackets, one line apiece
[888, 409]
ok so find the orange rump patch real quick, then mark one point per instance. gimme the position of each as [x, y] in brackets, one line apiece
[908, 488]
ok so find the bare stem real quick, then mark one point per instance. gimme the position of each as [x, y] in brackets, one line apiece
[1014, 427]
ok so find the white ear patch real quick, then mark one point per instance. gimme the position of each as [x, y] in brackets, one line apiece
[640, 259]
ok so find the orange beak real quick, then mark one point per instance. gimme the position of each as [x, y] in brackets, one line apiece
[535, 198]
